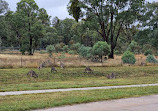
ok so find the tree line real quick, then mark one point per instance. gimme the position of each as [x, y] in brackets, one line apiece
[122, 24]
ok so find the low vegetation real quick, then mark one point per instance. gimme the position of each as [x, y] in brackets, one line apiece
[128, 58]
[39, 101]
[16, 79]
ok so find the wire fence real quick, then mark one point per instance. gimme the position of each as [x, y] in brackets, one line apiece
[11, 58]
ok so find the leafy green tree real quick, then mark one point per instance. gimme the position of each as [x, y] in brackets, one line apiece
[148, 52]
[101, 49]
[3, 6]
[154, 36]
[149, 17]
[63, 28]
[34, 18]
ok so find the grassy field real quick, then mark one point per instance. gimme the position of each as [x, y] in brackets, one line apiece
[39, 101]
[18, 60]
[16, 79]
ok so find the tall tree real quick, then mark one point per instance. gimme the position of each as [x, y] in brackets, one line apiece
[3, 6]
[34, 21]
[110, 16]
[3, 10]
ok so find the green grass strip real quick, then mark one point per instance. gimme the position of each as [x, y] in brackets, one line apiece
[47, 100]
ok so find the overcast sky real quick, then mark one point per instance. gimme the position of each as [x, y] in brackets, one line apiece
[54, 7]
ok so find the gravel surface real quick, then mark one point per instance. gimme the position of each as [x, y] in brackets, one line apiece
[70, 89]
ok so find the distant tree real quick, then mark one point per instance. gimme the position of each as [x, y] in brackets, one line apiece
[101, 49]
[154, 38]
[63, 28]
[133, 47]
[50, 49]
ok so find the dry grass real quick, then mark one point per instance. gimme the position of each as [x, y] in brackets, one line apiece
[17, 60]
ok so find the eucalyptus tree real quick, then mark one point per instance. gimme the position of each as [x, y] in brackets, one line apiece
[149, 15]
[109, 16]
[3, 10]
[3, 6]
[34, 23]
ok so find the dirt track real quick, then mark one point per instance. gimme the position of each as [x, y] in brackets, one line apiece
[70, 89]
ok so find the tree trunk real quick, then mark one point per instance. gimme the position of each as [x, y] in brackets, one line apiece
[111, 56]
[30, 48]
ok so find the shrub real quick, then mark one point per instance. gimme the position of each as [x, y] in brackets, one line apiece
[43, 52]
[128, 57]
[75, 47]
[151, 59]
[101, 49]
[50, 49]
[85, 52]
[148, 52]
[59, 46]
[71, 52]
[117, 52]
[65, 48]
[62, 56]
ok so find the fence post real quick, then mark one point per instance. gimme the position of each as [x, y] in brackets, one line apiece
[21, 61]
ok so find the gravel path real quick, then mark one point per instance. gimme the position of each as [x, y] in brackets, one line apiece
[145, 103]
[70, 89]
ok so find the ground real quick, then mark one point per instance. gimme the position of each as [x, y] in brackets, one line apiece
[13, 78]
[16, 79]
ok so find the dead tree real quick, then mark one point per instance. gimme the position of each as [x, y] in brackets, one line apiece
[53, 69]
[32, 73]
[88, 69]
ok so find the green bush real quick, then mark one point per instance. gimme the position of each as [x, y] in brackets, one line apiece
[85, 52]
[151, 59]
[75, 47]
[71, 52]
[128, 58]
[65, 48]
[148, 52]
[117, 52]
[59, 47]
[50, 49]
[101, 49]
[62, 56]
[43, 52]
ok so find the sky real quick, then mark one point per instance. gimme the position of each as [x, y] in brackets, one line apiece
[54, 7]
